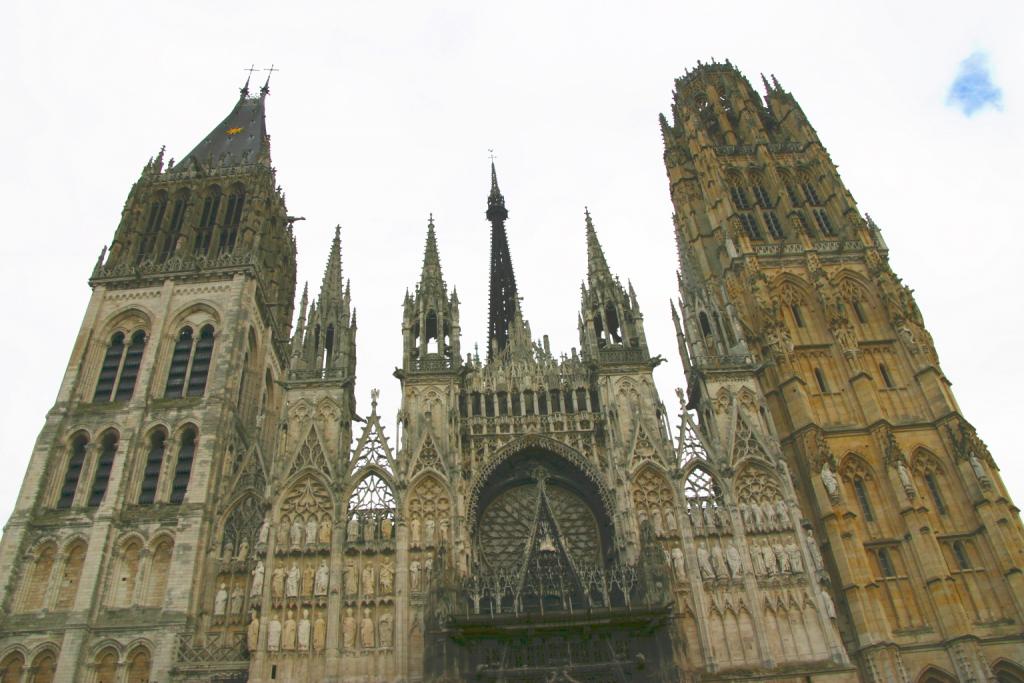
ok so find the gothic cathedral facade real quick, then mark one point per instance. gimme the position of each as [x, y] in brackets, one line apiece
[205, 502]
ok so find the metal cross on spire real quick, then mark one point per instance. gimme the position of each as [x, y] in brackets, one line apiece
[266, 86]
[245, 88]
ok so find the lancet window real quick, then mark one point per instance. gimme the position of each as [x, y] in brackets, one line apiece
[38, 578]
[655, 502]
[104, 464]
[154, 220]
[76, 461]
[120, 368]
[190, 363]
[174, 229]
[207, 222]
[11, 668]
[183, 465]
[154, 463]
[71, 574]
[704, 503]
[232, 219]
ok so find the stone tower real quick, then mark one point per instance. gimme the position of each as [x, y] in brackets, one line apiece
[798, 338]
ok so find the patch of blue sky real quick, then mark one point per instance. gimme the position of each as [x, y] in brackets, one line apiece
[973, 89]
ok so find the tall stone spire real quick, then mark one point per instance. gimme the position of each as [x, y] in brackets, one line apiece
[431, 260]
[331, 289]
[503, 293]
[597, 266]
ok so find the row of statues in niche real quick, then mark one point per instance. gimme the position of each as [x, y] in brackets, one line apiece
[228, 604]
[662, 529]
[293, 582]
[370, 525]
[767, 559]
[370, 578]
[296, 533]
[369, 637]
[707, 518]
[290, 635]
[419, 574]
[765, 516]
[427, 533]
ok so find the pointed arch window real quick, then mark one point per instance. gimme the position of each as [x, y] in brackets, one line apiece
[232, 219]
[73, 472]
[154, 463]
[885, 563]
[104, 464]
[700, 486]
[886, 377]
[798, 317]
[207, 222]
[936, 494]
[824, 223]
[183, 467]
[153, 222]
[371, 502]
[120, 368]
[819, 376]
[190, 363]
[750, 226]
[810, 193]
[963, 561]
[860, 489]
[773, 224]
[174, 229]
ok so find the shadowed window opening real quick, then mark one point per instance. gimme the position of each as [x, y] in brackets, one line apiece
[74, 472]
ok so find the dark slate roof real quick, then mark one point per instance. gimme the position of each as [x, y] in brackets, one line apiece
[240, 139]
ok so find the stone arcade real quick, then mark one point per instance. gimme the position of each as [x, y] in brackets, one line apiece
[204, 504]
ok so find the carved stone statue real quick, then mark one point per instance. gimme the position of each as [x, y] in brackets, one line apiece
[979, 470]
[220, 601]
[758, 517]
[386, 630]
[368, 582]
[812, 545]
[304, 630]
[829, 481]
[366, 635]
[428, 531]
[296, 532]
[348, 629]
[307, 579]
[252, 632]
[311, 529]
[678, 564]
[783, 514]
[291, 584]
[385, 528]
[274, 635]
[264, 534]
[282, 534]
[718, 562]
[443, 531]
[414, 575]
[781, 558]
[277, 583]
[243, 551]
[704, 562]
[732, 558]
[670, 521]
[768, 555]
[796, 562]
[828, 604]
[746, 516]
[288, 633]
[319, 633]
[257, 580]
[757, 559]
[324, 532]
[414, 532]
[237, 599]
[387, 578]
[905, 480]
[322, 577]
[351, 578]
[352, 532]
[770, 518]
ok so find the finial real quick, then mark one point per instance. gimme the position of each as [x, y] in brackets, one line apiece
[374, 395]
[430, 221]
[244, 90]
[337, 231]
[767, 87]
[265, 90]
[775, 82]
[495, 201]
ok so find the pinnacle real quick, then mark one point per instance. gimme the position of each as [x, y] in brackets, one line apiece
[597, 266]
[431, 259]
[331, 288]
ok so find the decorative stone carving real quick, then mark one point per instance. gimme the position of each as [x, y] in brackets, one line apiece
[277, 583]
[679, 565]
[351, 578]
[812, 545]
[324, 532]
[288, 633]
[308, 574]
[829, 481]
[264, 534]
[274, 635]
[352, 533]
[704, 562]
[237, 600]
[257, 580]
[348, 628]
[319, 633]
[304, 630]
[220, 601]
[311, 530]
[252, 632]
[366, 635]
[321, 580]
[386, 630]
[732, 558]
[291, 587]
[414, 575]
[296, 532]
[387, 578]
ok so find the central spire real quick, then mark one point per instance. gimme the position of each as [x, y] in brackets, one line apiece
[504, 297]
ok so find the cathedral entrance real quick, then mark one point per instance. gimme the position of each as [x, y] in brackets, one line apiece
[547, 597]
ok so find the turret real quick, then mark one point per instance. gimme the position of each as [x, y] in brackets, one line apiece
[611, 324]
[430, 325]
[504, 298]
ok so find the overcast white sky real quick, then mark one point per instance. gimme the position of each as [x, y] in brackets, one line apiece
[384, 112]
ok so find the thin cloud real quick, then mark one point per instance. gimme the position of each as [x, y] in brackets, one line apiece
[973, 88]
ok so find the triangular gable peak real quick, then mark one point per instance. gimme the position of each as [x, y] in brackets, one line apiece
[251, 475]
[644, 449]
[427, 457]
[745, 441]
[372, 447]
[310, 455]
[691, 445]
